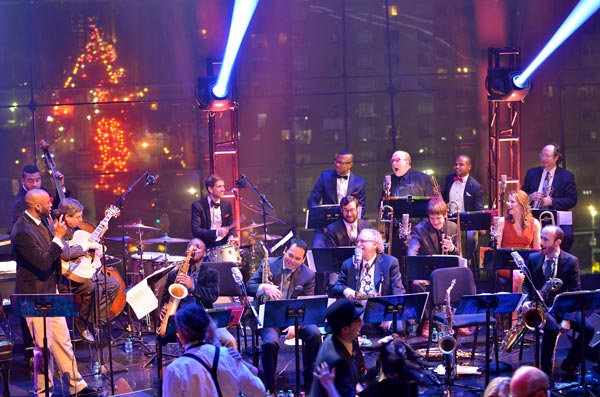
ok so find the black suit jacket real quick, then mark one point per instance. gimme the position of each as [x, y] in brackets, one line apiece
[424, 240]
[567, 271]
[384, 264]
[473, 196]
[37, 257]
[325, 190]
[19, 206]
[413, 183]
[201, 222]
[348, 368]
[336, 234]
[205, 291]
[302, 282]
[564, 190]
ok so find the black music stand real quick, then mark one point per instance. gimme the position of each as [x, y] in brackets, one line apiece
[415, 206]
[44, 305]
[295, 312]
[476, 220]
[420, 267]
[318, 217]
[227, 285]
[220, 316]
[488, 304]
[394, 308]
[577, 302]
[501, 258]
[329, 260]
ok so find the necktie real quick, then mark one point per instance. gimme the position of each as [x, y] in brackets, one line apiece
[548, 268]
[286, 277]
[342, 176]
[353, 232]
[214, 204]
[546, 183]
[457, 179]
[367, 277]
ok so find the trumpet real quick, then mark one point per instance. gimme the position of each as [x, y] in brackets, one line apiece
[385, 225]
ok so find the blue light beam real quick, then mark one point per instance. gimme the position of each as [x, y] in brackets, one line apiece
[243, 10]
[581, 13]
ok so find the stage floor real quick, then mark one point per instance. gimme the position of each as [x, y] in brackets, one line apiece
[134, 373]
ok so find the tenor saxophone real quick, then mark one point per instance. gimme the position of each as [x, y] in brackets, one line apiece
[447, 344]
[177, 292]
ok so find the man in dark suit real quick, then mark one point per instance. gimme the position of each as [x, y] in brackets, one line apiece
[333, 185]
[344, 232]
[37, 250]
[375, 273]
[552, 262]
[212, 217]
[340, 350]
[434, 236]
[291, 278]
[550, 186]
[467, 192]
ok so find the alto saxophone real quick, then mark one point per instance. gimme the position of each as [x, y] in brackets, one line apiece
[177, 292]
[447, 343]
[267, 276]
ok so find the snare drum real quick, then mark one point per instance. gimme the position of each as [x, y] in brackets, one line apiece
[225, 253]
[148, 263]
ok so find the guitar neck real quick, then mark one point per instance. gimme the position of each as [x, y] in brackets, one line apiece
[95, 236]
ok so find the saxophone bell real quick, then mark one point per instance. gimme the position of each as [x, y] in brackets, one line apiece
[447, 344]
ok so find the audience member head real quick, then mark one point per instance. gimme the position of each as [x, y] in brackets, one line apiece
[528, 381]
[194, 325]
[343, 319]
[498, 387]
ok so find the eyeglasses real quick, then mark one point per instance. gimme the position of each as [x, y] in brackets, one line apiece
[360, 240]
[546, 156]
[336, 161]
[349, 211]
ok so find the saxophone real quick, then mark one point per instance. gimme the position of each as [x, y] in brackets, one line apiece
[447, 343]
[530, 319]
[177, 292]
[267, 276]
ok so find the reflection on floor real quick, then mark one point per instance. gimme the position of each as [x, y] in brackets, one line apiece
[138, 372]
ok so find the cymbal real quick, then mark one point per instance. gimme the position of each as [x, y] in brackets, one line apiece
[139, 226]
[118, 239]
[166, 239]
[269, 237]
[254, 225]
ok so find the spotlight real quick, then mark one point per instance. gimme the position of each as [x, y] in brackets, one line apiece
[502, 85]
[208, 100]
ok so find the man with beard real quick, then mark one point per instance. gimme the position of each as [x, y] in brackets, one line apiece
[344, 232]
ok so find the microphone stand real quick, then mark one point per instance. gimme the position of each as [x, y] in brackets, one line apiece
[255, 321]
[263, 201]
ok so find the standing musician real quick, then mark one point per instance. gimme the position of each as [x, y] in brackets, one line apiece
[37, 249]
[212, 217]
[552, 262]
[291, 278]
[375, 274]
[202, 283]
[344, 232]
[550, 186]
[72, 212]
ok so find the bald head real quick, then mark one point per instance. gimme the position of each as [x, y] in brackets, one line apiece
[400, 162]
[39, 203]
[529, 381]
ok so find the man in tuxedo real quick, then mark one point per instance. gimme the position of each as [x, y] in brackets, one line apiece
[344, 232]
[37, 250]
[212, 217]
[552, 262]
[375, 273]
[333, 185]
[467, 192]
[550, 186]
[202, 284]
[434, 235]
[291, 278]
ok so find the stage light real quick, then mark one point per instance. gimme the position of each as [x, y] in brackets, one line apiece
[501, 85]
[581, 13]
[208, 100]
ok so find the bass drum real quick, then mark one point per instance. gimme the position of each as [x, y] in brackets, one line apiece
[225, 253]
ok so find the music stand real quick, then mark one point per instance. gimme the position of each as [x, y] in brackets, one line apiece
[394, 308]
[415, 206]
[319, 216]
[488, 304]
[227, 285]
[420, 267]
[501, 259]
[476, 220]
[44, 305]
[296, 312]
[220, 316]
[577, 302]
[329, 260]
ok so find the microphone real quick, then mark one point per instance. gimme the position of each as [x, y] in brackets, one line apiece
[237, 276]
[241, 182]
[297, 291]
[518, 259]
[357, 258]
[151, 179]
[235, 192]
[503, 183]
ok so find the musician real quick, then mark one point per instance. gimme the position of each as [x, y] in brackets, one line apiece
[202, 283]
[212, 217]
[333, 185]
[344, 232]
[72, 211]
[553, 262]
[376, 274]
[467, 192]
[291, 278]
[37, 250]
[563, 190]
[434, 235]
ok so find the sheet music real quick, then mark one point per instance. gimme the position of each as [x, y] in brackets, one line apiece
[461, 261]
[141, 298]
[9, 267]
[261, 316]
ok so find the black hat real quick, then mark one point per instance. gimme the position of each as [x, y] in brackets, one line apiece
[341, 313]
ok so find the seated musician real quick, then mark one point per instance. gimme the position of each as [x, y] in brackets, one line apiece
[290, 278]
[376, 273]
[552, 262]
[85, 287]
[202, 283]
[344, 232]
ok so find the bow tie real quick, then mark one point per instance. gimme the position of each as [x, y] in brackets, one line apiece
[214, 204]
[342, 176]
[457, 179]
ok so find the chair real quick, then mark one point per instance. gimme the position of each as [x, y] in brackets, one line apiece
[465, 285]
